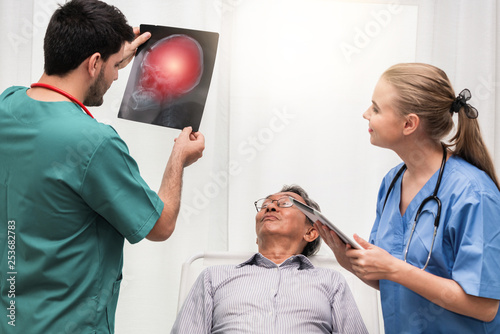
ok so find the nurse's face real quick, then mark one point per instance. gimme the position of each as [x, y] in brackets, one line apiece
[385, 124]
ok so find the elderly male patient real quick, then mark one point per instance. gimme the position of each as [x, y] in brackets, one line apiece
[277, 290]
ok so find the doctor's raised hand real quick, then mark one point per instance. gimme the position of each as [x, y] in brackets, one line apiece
[189, 146]
[130, 48]
[434, 246]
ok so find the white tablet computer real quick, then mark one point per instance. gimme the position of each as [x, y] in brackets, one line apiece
[315, 215]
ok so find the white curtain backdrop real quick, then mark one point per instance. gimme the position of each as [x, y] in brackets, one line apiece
[291, 81]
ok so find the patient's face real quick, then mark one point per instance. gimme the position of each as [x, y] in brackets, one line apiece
[279, 222]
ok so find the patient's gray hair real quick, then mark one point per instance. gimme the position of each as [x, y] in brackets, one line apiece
[313, 246]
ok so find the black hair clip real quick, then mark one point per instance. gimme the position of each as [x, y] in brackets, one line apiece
[461, 101]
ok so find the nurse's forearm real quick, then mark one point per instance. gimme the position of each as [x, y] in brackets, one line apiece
[445, 292]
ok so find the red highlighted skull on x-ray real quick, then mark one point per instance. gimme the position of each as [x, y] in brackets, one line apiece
[172, 67]
[170, 77]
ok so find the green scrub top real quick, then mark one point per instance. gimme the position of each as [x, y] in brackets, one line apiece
[69, 195]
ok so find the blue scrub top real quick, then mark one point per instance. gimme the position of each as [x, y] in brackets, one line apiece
[466, 249]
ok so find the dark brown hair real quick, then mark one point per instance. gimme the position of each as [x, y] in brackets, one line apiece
[80, 28]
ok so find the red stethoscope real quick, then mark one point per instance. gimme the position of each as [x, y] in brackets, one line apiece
[60, 91]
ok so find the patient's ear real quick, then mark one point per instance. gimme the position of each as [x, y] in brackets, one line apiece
[311, 234]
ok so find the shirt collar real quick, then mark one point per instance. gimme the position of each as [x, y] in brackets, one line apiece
[300, 261]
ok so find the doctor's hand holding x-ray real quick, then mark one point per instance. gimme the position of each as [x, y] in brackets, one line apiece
[433, 250]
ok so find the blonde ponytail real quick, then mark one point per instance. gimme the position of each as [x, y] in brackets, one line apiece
[468, 144]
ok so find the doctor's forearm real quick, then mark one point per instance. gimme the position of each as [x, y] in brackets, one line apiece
[445, 292]
[170, 194]
[188, 148]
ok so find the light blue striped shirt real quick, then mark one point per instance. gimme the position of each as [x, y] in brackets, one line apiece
[258, 296]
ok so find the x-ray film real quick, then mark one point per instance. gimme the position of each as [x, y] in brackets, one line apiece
[170, 77]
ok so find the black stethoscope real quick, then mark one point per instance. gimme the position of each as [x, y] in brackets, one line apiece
[432, 197]
[60, 91]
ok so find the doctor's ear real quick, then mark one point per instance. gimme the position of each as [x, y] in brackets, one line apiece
[411, 124]
[94, 64]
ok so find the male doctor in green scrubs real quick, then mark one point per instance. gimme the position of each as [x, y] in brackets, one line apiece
[70, 193]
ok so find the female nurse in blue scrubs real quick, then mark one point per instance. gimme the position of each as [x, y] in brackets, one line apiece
[434, 250]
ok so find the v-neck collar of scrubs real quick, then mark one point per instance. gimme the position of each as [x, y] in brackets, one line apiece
[424, 192]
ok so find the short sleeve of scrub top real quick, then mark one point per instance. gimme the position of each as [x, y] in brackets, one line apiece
[114, 188]
[474, 234]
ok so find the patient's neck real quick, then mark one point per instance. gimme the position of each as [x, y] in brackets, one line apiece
[278, 254]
